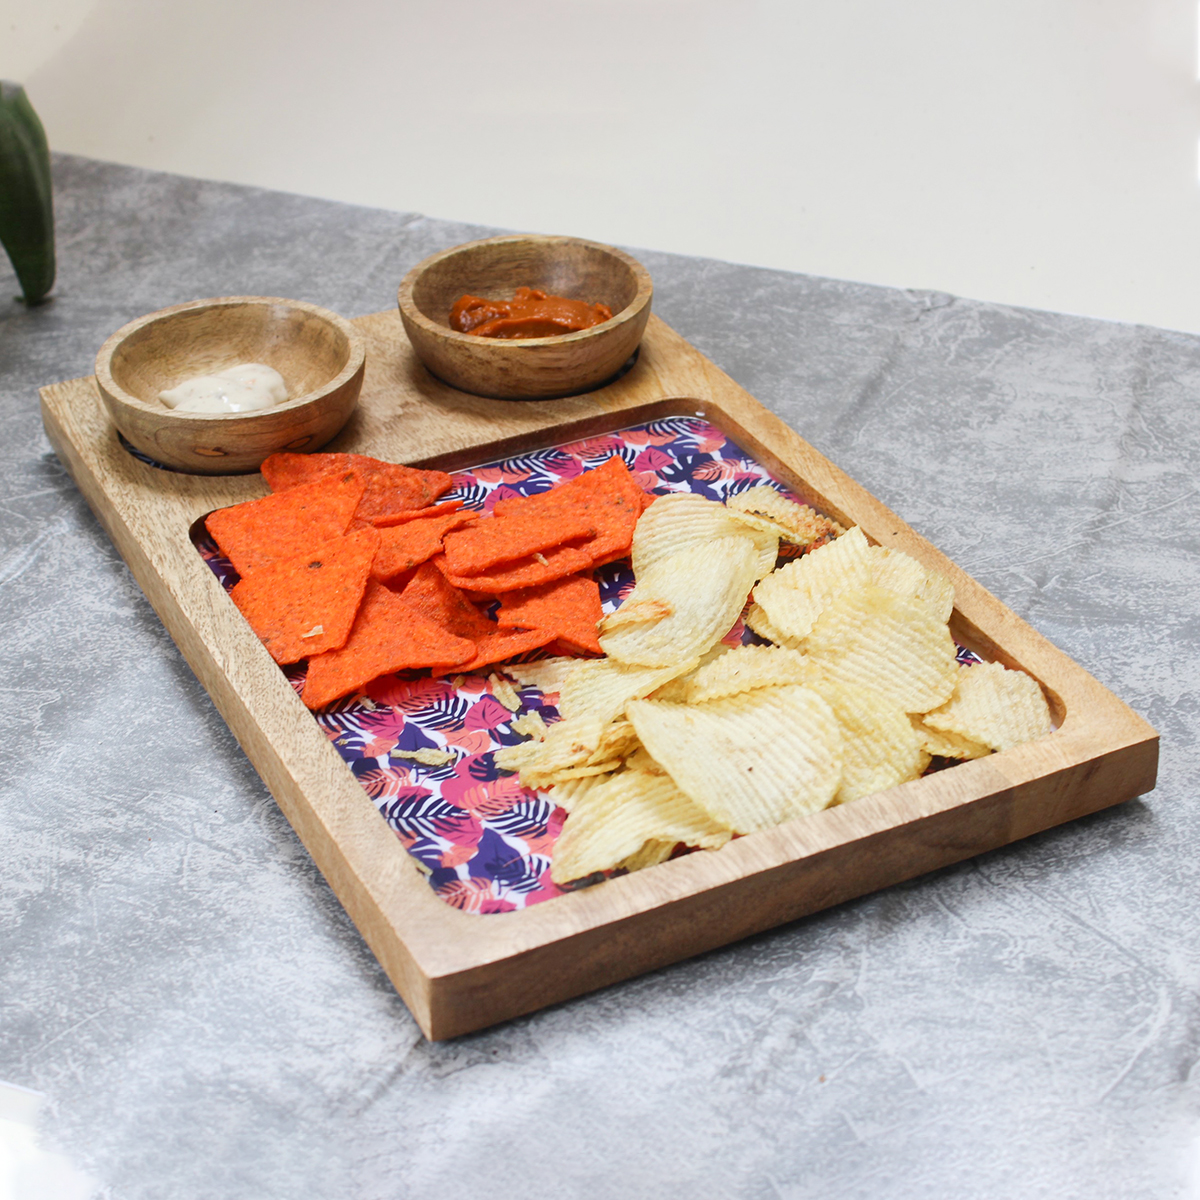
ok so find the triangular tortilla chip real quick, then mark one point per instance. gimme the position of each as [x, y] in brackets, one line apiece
[390, 487]
[501, 540]
[407, 545]
[284, 525]
[306, 605]
[388, 635]
[570, 608]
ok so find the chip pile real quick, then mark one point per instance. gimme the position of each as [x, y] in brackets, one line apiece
[351, 565]
[683, 737]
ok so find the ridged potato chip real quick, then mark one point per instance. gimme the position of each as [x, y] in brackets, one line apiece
[677, 688]
[943, 743]
[995, 706]
[801, 525]
[650, 855]
[879, 745]
[877, 639]
[705, 586]
[530, 725]
[601, 688]
[571, 749]
[900, 572]
[683, 519]
[567, 794]
[751, 760]
[616, 822]
[547, 674]
[756, 619]
[743, 669]
[566, 744]
[795, 596]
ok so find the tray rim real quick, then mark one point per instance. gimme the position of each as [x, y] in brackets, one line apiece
[460, 971]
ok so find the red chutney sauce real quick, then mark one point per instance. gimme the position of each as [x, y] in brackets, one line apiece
[529, 314]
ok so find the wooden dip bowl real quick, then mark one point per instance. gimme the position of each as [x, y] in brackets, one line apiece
[528, 368]
[318, 353]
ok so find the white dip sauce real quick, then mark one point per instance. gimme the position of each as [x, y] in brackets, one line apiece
[236, 389]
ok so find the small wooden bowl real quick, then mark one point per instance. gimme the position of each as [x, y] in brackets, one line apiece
[318, 353]
[533, 368]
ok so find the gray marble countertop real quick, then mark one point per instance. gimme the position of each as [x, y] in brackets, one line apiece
[204, 1019]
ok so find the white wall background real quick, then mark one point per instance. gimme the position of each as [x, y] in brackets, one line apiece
[1039, 152]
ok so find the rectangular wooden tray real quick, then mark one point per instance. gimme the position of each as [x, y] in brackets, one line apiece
[460, 971]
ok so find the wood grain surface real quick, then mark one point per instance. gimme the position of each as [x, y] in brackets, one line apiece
[530, 368]
[318, 353]
[458, 971]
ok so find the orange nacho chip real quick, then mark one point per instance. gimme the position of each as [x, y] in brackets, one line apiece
[286, 524]
[417, 514]
[390, 487]
[608, 497]
[305, 605]
[483, 546]
[388, 635]
[405, 546]
[570, 608]
[522, 572]
[502, 644]
[437, 599]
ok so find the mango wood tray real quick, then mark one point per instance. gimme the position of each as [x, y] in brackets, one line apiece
[460, 971]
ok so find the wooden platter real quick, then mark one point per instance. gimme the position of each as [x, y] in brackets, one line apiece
[460, 971]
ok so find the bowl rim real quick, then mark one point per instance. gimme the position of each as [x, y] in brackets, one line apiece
[108, 385]
[410, 311]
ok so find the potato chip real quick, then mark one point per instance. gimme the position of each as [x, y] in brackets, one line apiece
[542, 780]
[286, 524]
[756, 619]
[504, 692]
[513, 758]
[751, 760]
[743, 669]
[640, 760]
[682, 520]
[705, 586]
[547, 674]
[601, 687]
[387, 636]
[569, 746]
[803, 525]
[880, 746]
[568, 743]
[530, 725]
[677, 689]
[994, 706]
[305, 606]
[793, 597]
[650, 855]
[618, 739]
[427, 756]
[901, 573]
[567, 794]
[876, 639]
[616, 821]
[943, 743]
